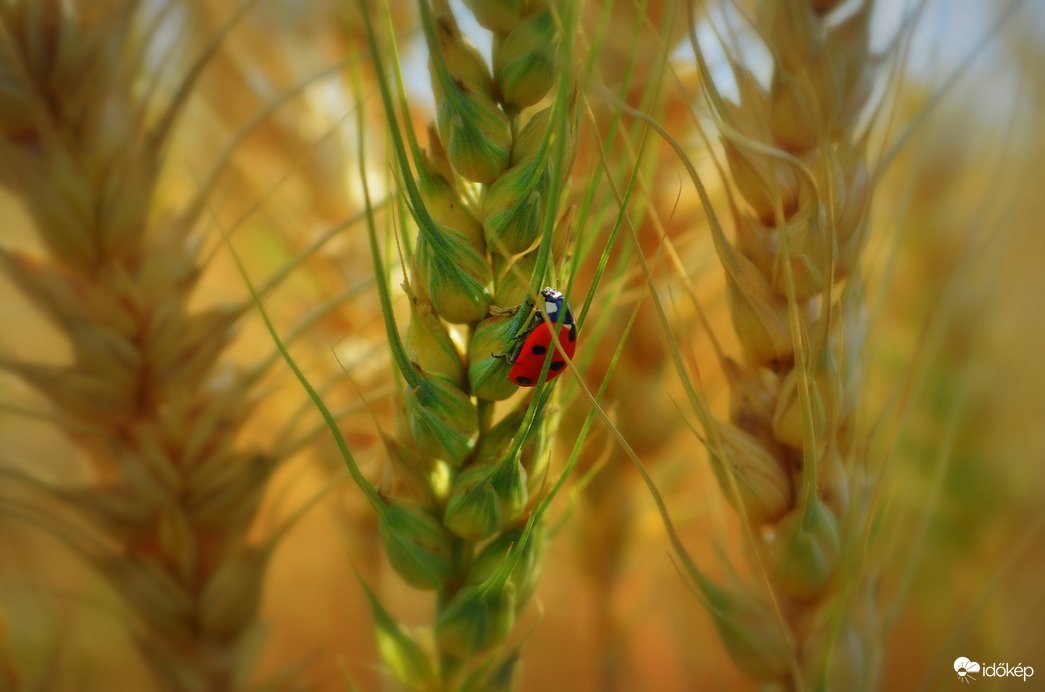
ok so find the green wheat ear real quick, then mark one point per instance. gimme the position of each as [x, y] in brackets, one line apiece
[487, 199]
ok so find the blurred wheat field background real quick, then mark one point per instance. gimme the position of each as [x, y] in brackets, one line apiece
[176, 515]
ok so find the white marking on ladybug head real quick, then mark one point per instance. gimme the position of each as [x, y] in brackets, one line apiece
[553, 310]
[551, 294]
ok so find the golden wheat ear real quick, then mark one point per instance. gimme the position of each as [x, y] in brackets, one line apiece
[147, 395]
[788, 459]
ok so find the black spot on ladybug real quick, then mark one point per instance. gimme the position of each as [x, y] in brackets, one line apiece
[538, 350]
[523, 381]
[558, 365]
[572, 336]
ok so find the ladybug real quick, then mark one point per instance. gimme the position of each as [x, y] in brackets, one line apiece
[528, 360]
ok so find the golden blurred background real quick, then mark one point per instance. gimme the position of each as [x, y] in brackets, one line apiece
[954, 291]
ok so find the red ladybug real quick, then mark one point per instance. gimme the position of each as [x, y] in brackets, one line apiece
[528, 360]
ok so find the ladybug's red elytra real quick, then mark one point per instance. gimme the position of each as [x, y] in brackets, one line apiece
[527, 360]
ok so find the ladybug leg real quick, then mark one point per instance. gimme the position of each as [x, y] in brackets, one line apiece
[514, 356]
[509, 358]
[521, 338]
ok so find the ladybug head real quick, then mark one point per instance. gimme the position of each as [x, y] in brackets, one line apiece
[553, 301]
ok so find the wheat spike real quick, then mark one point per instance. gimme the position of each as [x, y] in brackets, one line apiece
[788, 459]
[484, 194]
[145, 394]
